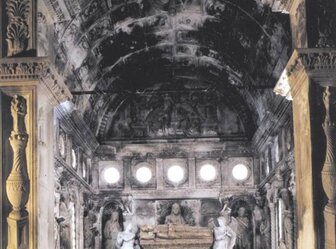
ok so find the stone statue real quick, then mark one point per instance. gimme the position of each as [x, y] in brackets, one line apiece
[243, 230]
[224, 234]
[111, 230]
[265, 229]
[90, 230]
[288, 229]
[126, 239]
[257, 218]
[64, 221]
[175, 216]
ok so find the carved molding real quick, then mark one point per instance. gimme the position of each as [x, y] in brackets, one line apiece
[283, 6]
[17, 184]
[36, 68]
[318, 64]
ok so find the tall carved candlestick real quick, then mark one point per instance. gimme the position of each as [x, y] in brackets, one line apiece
[329, 173]
[17, 184]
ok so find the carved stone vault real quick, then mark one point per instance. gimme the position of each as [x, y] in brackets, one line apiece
[94, 92]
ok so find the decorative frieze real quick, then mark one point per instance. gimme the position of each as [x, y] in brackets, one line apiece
[36, 69]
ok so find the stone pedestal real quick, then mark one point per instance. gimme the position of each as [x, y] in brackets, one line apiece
[330, 229]
[18, 233]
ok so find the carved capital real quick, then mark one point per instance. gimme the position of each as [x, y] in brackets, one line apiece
[318, 64]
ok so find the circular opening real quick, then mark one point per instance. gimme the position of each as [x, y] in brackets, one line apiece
[111, 175]
[208, 172]
[175, 173]
[73, 159]
[143, 174]
[240, 172]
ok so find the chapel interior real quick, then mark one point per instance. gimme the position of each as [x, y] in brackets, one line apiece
[151, 124]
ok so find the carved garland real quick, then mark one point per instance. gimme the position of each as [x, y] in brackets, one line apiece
[18, 28]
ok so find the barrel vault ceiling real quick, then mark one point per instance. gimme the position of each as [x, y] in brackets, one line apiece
[113, 52]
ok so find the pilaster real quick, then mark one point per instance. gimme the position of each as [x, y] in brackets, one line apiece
[37, 82]
[308, 71]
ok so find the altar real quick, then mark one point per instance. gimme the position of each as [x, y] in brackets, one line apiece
[174, 236]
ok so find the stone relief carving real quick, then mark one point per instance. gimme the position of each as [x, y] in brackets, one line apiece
[18, 27]
[171, 115]
[126, 239]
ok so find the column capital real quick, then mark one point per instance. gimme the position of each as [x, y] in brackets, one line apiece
[319, 64]
[36, 69]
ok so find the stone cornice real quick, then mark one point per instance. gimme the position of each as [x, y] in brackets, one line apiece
[283, 6]
[271, 123]
[75, 124]
[36, 69]
[318, 63]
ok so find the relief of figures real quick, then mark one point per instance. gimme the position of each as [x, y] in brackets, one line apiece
[174, 115]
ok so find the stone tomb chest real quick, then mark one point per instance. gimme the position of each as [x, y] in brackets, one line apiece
[175, 237]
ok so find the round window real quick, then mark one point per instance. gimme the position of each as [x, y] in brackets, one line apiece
[143, 174]
[208, 172]
[240, 172]
[111, 175]
[175, 173]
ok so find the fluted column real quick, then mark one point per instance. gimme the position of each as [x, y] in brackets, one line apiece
[329, 173]
[17, 184]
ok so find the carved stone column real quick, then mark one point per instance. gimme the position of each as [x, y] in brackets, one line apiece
[329, 172]
[17, 184]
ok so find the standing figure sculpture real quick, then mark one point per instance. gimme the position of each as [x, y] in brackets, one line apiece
[126, 239]
[223, 229]
[64, 221]
[243, 230]
[175, 216]
[111, 231]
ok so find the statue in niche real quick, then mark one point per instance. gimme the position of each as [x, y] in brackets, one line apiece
[127, 203]
[257, 219]
[265, 234]
[126, 239]
[90, 230]
[175, 216]
[288, 228]
[64, 221]
[111, 230]
[285, 196]
[223, 228]
[243, 230]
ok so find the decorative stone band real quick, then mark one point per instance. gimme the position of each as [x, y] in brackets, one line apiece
[35, 68]
[318, 63]
[283, 6]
